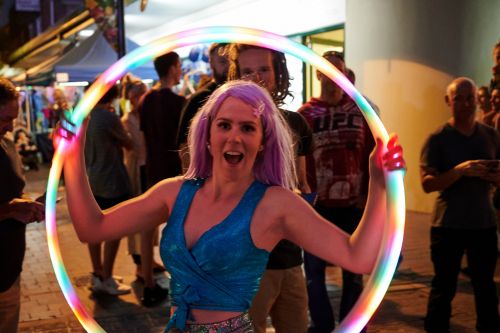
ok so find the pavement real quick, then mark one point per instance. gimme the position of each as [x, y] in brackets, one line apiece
[44, 309]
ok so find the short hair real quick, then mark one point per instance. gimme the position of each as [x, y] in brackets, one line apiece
[334, 54]
[460, 80]
[337, 55]
[282, 77]
[110, 95]
[274, 165]
[8, 91]
[350, 75]
[164, 62]
[484, 88]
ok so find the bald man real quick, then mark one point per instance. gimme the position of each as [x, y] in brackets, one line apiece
[460, 161]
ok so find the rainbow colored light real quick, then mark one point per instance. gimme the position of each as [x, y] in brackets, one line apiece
[380, 278]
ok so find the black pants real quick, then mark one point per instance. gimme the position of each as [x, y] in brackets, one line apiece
[320, 308]
[447, 249]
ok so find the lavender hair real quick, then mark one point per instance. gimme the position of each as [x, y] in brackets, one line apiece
[274, 165]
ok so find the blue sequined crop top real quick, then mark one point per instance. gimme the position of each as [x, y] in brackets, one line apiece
[222, 270]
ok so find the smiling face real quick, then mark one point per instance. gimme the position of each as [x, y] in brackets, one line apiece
[256, 65]
[235, 138]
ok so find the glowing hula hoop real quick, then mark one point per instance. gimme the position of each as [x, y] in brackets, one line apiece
[393, 232]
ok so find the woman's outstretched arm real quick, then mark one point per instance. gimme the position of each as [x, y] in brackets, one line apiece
[299, 223]
[94, 225]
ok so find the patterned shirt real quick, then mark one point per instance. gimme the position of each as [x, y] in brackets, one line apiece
[338, 167]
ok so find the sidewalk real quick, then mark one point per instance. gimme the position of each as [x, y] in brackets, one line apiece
[44, 308]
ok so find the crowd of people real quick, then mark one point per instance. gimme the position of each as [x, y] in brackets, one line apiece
[259, 200]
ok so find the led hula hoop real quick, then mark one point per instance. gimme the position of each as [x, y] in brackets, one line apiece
[380, 278]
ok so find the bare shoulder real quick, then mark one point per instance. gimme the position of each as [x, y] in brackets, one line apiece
[271, 216]
[170, 184]
[278, 193]
[277, 202]
[166, 190]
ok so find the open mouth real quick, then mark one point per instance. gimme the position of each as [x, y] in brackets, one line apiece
[233, 157]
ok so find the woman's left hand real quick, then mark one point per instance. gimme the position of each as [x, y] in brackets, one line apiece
[391, 160]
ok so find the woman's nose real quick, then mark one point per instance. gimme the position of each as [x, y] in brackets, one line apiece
[235, 136]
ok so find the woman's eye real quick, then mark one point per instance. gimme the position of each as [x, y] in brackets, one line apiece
[248, 128]
[223, 125]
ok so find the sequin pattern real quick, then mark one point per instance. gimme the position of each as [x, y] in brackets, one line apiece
[239, 324]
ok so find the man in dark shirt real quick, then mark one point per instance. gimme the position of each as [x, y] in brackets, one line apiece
[217, 57]
[159, 113]
[460, 161]
[105, 140]
[15, 212]
[338, 171]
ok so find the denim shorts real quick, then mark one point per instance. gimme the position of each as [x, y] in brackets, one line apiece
[238, 324]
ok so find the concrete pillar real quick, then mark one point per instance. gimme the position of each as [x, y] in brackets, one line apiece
[404, 54]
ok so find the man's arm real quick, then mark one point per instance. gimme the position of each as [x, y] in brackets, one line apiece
[300, 166]
[434, 181]
[23, 210]
[118, 132]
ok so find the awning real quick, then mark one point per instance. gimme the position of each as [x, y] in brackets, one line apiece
[93, 56]
[54, 42]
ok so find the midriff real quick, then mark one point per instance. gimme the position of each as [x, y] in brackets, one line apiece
[208, 316]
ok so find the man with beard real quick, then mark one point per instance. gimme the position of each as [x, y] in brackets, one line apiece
[219, 65]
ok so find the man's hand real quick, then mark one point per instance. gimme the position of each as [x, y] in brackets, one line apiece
[473, 168]
[24, 210]
[493, 176]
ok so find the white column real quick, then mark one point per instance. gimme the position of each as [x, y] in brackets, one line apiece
[404, 54]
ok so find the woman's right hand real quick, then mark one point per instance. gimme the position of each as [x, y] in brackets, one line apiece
[66, 130]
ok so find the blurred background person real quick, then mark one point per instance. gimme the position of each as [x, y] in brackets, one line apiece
[217, 58]
[108, 178]
[15, 212]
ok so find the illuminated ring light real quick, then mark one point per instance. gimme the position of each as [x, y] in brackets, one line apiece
[393, 231]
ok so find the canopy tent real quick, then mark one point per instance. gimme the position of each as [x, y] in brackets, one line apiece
[93, 56]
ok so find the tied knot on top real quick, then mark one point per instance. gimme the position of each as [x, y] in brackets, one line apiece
[189, 296]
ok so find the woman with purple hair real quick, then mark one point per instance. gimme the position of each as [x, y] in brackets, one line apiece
[230, 209]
